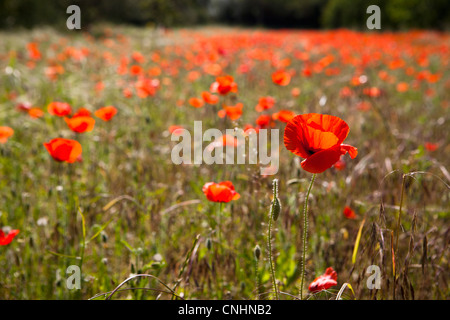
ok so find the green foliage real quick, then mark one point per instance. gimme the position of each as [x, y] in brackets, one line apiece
[267, 13]
[395, 14]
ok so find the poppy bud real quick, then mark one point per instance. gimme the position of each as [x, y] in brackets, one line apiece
[276, 206]
[257, 252]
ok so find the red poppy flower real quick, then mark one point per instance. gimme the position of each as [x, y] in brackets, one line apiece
[283, 115]
[60, 109]
[402, 87]
[281, 78]
[5, 134]
[6, 239]
[220, 192]
[325, 281]
[177, 130]
[295, 92]
[364, 106]
[35, 113]
[146, 87]
[349, 213]
[136, 70]
[209, 98]
[373, 92]
[193, 76]
[138, 57]
[106, 113]
[64, 149]
[127, 93]
[428, 145]
[227, 140]
[196, 102]
[232, 112]
[265, 103]
[224, 85]
[340, 165]
[345, 92]
[264, 121]
[33, 51]
[80, 124]
[82, 112]
[154, 71]
[248, 129]
[318, 139]
[24, 106]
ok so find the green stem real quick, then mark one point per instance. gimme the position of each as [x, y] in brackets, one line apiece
[305, 235]
[219, 225]
[272, 218]
[257, 278]
[272, 265]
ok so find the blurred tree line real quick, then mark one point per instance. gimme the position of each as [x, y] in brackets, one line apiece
[395, 14]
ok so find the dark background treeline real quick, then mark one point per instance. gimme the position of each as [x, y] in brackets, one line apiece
[395, 14]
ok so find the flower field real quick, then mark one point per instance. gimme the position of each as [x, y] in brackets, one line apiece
[354, 205]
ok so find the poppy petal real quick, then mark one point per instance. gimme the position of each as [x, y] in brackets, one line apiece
[322, 160]
[326, 123]
[352, 151]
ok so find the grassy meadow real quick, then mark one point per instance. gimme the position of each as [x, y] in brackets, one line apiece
[124, 208]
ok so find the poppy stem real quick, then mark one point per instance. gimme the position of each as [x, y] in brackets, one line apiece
[305, 235]
[219, 226]
[274, 213]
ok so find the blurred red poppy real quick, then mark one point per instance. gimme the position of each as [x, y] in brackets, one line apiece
[174, 129]
[264, 121]
[106, 113]
[431, 146]
[227, 140]
[281, 78]
[349, 213]
[196, 102]
[82, 112]
[402, 87]
[224, 85]
[220, 192]
[340, 165]
[209, 98]
[283, 115]
[136, 70]
[80, 124]
[33, 51]
[35, 113]
[295, 92]
[6, 239]
[318, 139]
[60, 109]
[232, 112]
[146, 87]
[265, 103]
[64, 150]
[325, 281]
[5, 134]
[24, 106]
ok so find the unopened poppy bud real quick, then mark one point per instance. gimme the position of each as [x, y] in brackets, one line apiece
[257, 252]
[208, 243]
[276, 207]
